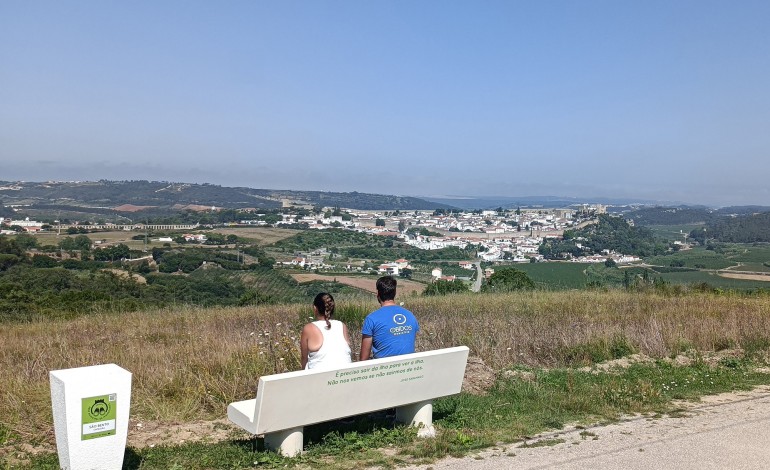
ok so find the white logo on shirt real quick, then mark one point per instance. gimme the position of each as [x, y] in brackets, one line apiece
[399, 319]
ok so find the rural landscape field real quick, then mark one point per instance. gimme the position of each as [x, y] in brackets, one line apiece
[197, 320]
[576, 192]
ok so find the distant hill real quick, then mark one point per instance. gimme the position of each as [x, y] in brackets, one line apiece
[546, 202]
[744, 228]
[662, 215]
[129, 196]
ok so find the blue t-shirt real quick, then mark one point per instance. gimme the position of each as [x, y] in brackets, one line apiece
[393, 329]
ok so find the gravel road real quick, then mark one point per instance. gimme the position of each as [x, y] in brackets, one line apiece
[727, 431]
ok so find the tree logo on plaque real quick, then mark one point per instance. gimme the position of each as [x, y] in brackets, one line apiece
[99, 416]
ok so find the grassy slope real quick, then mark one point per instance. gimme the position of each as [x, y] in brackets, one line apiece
[189, 363]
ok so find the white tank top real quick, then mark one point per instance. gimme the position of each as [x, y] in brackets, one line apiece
[334, 351]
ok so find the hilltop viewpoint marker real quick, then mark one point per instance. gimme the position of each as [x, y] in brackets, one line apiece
[90, 416]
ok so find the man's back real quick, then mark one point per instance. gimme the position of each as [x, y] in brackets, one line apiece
[393, 330]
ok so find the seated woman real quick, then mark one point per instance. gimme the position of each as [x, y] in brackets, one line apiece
[324, 343]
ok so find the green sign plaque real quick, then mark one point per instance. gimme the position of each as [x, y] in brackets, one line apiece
[99, 416]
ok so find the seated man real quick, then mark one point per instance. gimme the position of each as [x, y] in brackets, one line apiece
[389, 330]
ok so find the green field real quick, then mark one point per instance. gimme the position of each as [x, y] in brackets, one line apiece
[556, 275]
[713, 279]
[739, 257]
[697, 257]
[754, 257]
[673, 232]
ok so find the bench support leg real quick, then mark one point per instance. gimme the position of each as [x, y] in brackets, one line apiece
[287, 442]
[418, 414]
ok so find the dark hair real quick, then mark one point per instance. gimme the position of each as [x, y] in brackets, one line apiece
[324, 302]
[386, 288]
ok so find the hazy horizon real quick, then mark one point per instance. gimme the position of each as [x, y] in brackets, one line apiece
[663, 101]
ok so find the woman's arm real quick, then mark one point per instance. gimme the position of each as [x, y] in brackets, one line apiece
[303, 345]
[345, 333]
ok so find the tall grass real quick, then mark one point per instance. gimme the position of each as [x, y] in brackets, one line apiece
[190, 363]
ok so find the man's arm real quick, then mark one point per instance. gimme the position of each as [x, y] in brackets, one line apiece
[366, 348]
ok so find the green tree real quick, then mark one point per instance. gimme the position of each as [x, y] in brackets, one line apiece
[441, 287]
[26, 241]
[508, 279]
[43, 261]
[82, 243]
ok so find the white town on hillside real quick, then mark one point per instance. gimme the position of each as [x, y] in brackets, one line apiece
[500, 235]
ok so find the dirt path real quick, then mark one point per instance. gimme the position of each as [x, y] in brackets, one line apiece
[731, 430]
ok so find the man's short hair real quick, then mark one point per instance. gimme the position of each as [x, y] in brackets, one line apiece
[386, 288]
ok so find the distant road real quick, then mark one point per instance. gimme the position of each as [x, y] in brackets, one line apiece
[477, 283]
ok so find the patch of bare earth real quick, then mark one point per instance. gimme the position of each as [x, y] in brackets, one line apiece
[687, 358]
[150, 433]
[621, 363]
[747, 277]
[478, 378]
[131, 208]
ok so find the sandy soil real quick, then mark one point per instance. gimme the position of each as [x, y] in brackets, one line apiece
[131, 208]
[748, 277]
[405, 287]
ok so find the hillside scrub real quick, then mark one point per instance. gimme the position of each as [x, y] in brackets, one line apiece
[189, 363]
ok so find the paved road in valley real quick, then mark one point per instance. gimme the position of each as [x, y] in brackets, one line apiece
[477, 283]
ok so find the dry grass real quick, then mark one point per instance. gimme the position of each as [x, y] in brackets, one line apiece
[551, 329]
[262, 235]
[190, 363]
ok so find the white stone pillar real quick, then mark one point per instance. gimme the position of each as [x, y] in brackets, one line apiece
[90, 415]
[287, 442]
[418, 414]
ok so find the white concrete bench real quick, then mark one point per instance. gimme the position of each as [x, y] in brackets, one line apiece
[287, 402]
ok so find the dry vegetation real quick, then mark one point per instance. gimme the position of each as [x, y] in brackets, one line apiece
[189, 364]
[405, 287]
[262, 235]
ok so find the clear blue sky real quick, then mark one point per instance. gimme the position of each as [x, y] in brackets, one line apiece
[665, 100]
